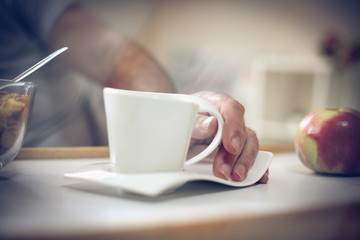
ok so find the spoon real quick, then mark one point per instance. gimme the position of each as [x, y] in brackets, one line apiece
[36, 66]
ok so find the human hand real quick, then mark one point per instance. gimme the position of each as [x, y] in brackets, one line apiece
[239, 147]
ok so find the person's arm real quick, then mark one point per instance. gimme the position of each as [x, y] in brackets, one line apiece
[105, 55]
[110, 58]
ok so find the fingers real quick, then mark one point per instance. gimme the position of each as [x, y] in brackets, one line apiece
[235, 167]
[223, 163]
[205, 127]
[239, 146]
[246, 158]
[234, 132]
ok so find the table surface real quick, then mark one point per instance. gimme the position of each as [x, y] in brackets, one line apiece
[38, 202]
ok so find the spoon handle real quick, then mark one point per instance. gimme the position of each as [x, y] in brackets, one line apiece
[39, 64]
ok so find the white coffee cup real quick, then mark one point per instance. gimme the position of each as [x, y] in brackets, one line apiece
[151, 132]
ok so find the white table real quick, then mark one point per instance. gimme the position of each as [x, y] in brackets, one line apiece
[36, 202]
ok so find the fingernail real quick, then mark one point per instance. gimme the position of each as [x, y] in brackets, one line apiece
[235, 143]
[264, 179]
[206, 123]
[240, 172]
[225, 170]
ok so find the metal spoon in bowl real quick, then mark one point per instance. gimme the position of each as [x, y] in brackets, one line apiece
[36, 66]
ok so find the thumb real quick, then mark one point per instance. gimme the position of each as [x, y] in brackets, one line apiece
[205, 127]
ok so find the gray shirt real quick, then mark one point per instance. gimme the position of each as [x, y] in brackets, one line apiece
[65, 101]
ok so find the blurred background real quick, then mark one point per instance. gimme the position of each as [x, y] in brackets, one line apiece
[280, 59]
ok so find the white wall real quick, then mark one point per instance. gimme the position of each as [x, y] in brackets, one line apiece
[214, 44]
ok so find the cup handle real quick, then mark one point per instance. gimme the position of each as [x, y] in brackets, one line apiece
[205, 106]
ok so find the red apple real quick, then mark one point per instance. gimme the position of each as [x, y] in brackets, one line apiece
[328, 141]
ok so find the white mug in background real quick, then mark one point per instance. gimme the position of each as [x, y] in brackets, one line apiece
[151, 132]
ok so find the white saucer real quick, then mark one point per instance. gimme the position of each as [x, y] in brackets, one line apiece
[154, 184]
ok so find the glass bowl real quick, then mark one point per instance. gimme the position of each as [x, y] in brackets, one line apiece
[16, 105]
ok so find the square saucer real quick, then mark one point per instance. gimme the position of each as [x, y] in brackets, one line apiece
[155, 184]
